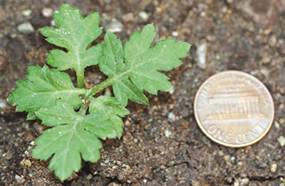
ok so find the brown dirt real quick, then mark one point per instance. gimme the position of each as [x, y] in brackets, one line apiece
[162, 144]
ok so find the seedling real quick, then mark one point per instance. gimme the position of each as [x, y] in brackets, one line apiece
[78, 118]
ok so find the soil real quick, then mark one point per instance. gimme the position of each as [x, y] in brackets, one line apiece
[162, 144]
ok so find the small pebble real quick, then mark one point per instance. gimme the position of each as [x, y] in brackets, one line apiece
[266, 60]
[175, 34]
[244, 182]
[47, 12]
[114, 26]
[171, 116]
[273, 167]
[167, 133]
[227, 158]
[144, 16]
[26, 28]
[89, 177]
[27, 12]
[281, 140]
[272, 41]
[236, 183]
[19, 179]
[171, 90]
[201, 54]
[233, 158]
[2, 104]
[128, 17]
[276, 124]
[52, 23]
[26, 163]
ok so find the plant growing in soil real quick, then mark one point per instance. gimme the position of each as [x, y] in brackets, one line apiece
[78, 118]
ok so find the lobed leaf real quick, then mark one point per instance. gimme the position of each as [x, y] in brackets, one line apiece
[138, 66]
[73, 33]
[43, 87]
[109, 110]
[66, 144]
[108, 105]
[76, 135]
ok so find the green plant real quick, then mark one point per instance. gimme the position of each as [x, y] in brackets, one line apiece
[76, 119]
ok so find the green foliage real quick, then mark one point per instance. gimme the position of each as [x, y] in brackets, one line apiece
[73, 33]
[137, 66]
[42, 88]
[77, 120]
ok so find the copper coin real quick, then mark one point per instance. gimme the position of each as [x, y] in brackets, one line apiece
[234, 109]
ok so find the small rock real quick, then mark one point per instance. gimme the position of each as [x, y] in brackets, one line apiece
[201, 54]
[244, 182]
[229, 180]
[233, 158]
[175, 34]
[266, 60]
[272, 41]
[281, 140]
[144, 16]
[128, 17]
[167, 133]
[47, 12]
[27, 12]
[276, 124]
[19, 179]
[171, 90]
[3, 104]
[171, 116]
[273, 167]
[26, 163]
[114, 26]
[26, 28]
[52, 23]
[236, 183]
[227, 158]
[89, 177]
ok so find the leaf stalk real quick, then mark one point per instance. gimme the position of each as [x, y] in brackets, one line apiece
[80, 79]
[99, 87]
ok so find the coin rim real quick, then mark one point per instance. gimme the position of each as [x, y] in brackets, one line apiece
[217, 140]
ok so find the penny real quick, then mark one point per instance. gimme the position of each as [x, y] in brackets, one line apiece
[234, 109]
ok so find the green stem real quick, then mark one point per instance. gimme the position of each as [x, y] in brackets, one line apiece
[80, 79]
[83, 109]
[101, 86]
